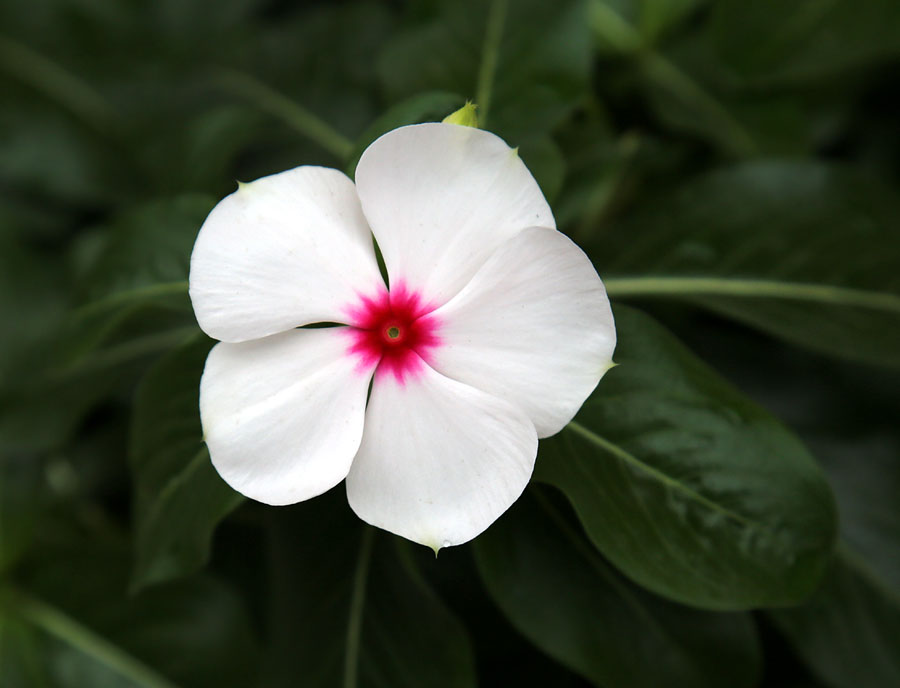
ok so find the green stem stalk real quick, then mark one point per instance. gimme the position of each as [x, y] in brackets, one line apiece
[490, 52]
[274, 103]
[357, 605]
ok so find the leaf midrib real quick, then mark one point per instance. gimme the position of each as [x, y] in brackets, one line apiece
[658, 475]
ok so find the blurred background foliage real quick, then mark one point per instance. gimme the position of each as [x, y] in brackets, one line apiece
[732, 168]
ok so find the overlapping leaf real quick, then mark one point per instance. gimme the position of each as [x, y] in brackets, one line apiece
[686, 486]
[562, 596]
[179, 498]
[351, 608]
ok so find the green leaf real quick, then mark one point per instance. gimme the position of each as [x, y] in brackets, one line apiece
[41, 413]
[146, 249]
[134, 275]
[658, 17]
[21, 501]
[804, 39]
[350, 607]
[179, 499]
[22, 662]
[33, 296]
[524, 63]
[192, 634]
[558, 592]
[545, 161]
[849, 632]
[686, 486]
[803, 250]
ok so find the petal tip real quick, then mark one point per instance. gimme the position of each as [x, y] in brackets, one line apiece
[436, 546]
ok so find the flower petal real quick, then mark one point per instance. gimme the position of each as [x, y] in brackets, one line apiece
[283, 416]
[283, 251]
[533, 327]
[440, 198]
[439, 460]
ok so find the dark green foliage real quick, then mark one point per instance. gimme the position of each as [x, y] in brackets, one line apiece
[688, 487]
[559, 593]
[732, 167]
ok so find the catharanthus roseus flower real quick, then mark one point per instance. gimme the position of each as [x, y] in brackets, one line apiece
[492, 331]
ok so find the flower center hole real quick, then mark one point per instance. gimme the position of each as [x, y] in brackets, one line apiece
[393, 332]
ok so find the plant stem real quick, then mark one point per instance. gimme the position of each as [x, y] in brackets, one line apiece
[357, 605]
[489, 54]
[66, 89]
[274, 103]
[749, 288]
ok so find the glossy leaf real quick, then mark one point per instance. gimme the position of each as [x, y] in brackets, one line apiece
[558, 592]
[686, 486]
[803, 250]
[351, 608]
[179, 497]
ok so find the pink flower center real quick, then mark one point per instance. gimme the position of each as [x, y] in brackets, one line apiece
[393, 332]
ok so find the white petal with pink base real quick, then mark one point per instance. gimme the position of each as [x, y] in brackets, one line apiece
[493, 332]
[533, 326]
[283, 416]
[440, 198]
[286, 250]
[439, 460]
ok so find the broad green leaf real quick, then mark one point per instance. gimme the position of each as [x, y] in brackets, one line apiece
[146, 249]
[87, 366]
[134, 275]
[350, 607]
[33, 296]
[803, 39]
[20, 504]
[628, 25]
[22, 660]
[849, 631]
[686, 486]
[657, 17]
[190, 634]
[524, 63]
[60, 122]
[803, 250]
[545, 161]
[681, 99]
[179, 499]
[556, 590]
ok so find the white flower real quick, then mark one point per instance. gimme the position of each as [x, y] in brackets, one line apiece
[495, 330]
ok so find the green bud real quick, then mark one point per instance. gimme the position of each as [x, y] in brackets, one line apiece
[465, 116]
